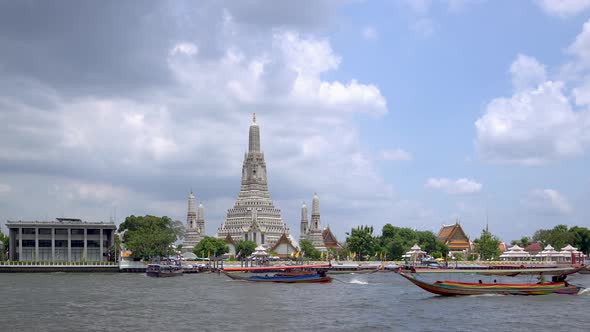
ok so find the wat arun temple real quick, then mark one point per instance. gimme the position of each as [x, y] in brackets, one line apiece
[254, 216]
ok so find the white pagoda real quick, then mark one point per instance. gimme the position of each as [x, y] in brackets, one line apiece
[254, 216]
[195, 225]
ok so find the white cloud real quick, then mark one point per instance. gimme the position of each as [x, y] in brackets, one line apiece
[423, 26]
[527, 73]
[548, 201]
[193, 131]
[420, 7]
[92, 192]
[459, 186]
[184, 48]
[580, 48]
[534, 125]
[395, 155]
[4, 188]
[564, 8]
[460, 5]
[369, 33]
[422, 22]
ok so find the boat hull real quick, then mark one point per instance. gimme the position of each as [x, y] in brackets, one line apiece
[451, 288]
[557, 271]
[164, 274]
[163, 271]
[287, 279]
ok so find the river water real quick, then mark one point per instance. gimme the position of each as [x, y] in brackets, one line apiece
[211, 302]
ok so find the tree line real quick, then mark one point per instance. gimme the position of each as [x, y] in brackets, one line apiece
[392, 244]
[150, 236]
[558, 237]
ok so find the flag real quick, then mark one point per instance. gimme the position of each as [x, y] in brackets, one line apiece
[292, 254]
[297, 254]
[239, 255]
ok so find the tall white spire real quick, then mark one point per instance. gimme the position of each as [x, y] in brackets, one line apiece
[191, 215]
[201, 219]
[304, 212]
[195, 222]
[315, 205]
[254, 137]
[304, 227]
[254, 216]
[315, 229]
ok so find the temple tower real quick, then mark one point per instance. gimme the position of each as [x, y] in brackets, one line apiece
[315, 231]
[195, 225]
[200, 222]
[304, 228]
[191, 216]
[254, 216]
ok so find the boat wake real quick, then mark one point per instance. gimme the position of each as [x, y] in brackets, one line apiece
[585, 291]
[358, 282]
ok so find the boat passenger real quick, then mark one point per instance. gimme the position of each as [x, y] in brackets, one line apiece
[480, 281]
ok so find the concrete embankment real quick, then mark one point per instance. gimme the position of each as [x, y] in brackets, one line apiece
[57, 268]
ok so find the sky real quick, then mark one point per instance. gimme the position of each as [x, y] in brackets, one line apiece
[415, 113]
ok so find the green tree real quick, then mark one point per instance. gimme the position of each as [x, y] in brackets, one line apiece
[3, 246]
[211, 246]
[524, 242]
[581, 238]
[361, 242]
[309, 250]
[558, 237]
[150, 236]
[115, 248]
[487, 245]
[397, 241]
[246, 248]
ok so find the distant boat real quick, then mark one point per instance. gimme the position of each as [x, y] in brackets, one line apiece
[285, 277]
[449, 288]
[161, 270]
[315, 273]
[277, 268]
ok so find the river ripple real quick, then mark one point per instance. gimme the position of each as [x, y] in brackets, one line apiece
[211, 302]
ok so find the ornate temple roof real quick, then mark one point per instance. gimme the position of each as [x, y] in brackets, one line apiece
[454, 237]
[330, 240]
[534, 247]
[285, 239]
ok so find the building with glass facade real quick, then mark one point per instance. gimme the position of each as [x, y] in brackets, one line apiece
[65, 239]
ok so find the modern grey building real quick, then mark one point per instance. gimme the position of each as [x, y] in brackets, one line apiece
[66, 239]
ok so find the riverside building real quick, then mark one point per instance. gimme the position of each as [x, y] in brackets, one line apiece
[254, 216]
[65, 239]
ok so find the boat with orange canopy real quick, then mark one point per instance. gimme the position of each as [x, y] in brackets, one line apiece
[449, 288]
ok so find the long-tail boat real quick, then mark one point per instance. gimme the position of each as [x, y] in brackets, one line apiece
[283, 274]
[506, 270]
[449, 288]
